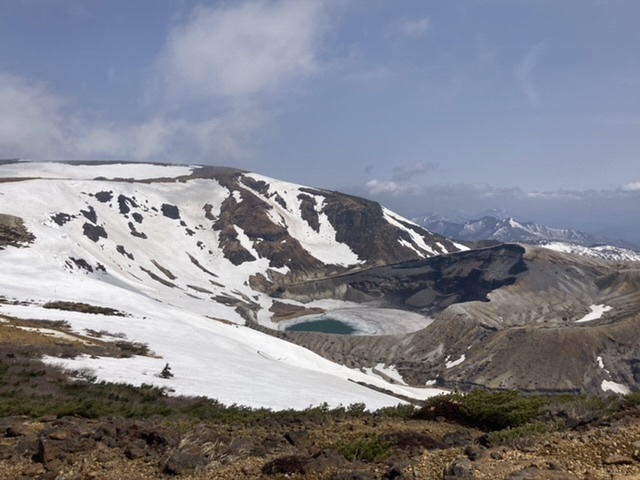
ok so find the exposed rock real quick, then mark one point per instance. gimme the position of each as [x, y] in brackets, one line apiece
[617, 459]
[13, 232]
[170, 211]
[94, 232]
[297, 439]
[327, 459]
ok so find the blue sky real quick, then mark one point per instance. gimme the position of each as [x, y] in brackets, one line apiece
[532, 106]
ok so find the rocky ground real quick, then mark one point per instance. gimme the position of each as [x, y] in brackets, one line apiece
[336, 448]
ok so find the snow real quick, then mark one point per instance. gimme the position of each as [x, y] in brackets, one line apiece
[596, 313]
[53, 170]
[416, 238]
[321, 245]
[608, 386]
[603, 252]
[454, 363]
[230, 362]
[390, 371]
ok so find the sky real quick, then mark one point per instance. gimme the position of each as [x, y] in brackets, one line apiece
[529, 106]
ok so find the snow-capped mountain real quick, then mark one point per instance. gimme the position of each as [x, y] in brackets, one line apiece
[188, 255]
[212, 268]
[504, 230]
[604, 252]
[507, 229]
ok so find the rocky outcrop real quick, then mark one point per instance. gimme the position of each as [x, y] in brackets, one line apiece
[13, 232]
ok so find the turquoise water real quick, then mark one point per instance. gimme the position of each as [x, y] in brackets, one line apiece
[323, 326]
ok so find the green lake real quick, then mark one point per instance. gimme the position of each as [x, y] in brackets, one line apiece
[322, 326]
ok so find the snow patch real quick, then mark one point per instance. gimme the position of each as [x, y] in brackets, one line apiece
[608, 386]
[454, 363]
[416, 238]
[596, 313]
[390, 372]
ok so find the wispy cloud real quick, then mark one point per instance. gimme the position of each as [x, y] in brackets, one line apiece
[388, 187]
[414, 28]
[246, 48]
[524, 71]
[630, 187]
[407, 173]
[218, 70]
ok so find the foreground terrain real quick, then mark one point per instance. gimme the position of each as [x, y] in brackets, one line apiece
[55, 428]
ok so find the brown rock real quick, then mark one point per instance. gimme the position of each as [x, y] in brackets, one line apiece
[355, 475]
[534, 473]
[47, 452]
[59, 435]
[18, 429]
[134, 452]
[327, 459]
[297, 439]
[618, 460]
[183, 463]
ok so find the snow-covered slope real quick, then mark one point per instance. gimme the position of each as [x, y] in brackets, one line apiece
[190, 254]
[604, 252]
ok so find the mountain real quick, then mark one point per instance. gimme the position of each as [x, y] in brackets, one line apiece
[180, 258]
[506, 229]
[120, 271]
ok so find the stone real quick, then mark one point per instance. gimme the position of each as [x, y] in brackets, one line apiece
[393, 473]
[325, 460]
[134, 452]
[355, 475]
[535, 473]
[18, 429]
[184, 463]
[297, 439]
[618, 460]
[59, 435]
[48, 451]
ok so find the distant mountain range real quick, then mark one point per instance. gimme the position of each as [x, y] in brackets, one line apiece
[507, 229]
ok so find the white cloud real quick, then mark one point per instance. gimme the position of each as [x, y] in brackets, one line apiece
[524, 71]
[630, 187]
[38, 124]
[415, 28]
[31, 117]
[244, 53]
[244, 49]
[388, 187]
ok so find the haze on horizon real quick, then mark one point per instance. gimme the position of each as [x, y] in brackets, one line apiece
[532, 106]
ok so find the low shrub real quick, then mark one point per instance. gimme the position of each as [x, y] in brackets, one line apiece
[516, 437]
[484, 410]
[413, 441]
[368, 449]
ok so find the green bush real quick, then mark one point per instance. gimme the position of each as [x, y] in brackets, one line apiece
[369, 449]
[484, 410]
[514, 437]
